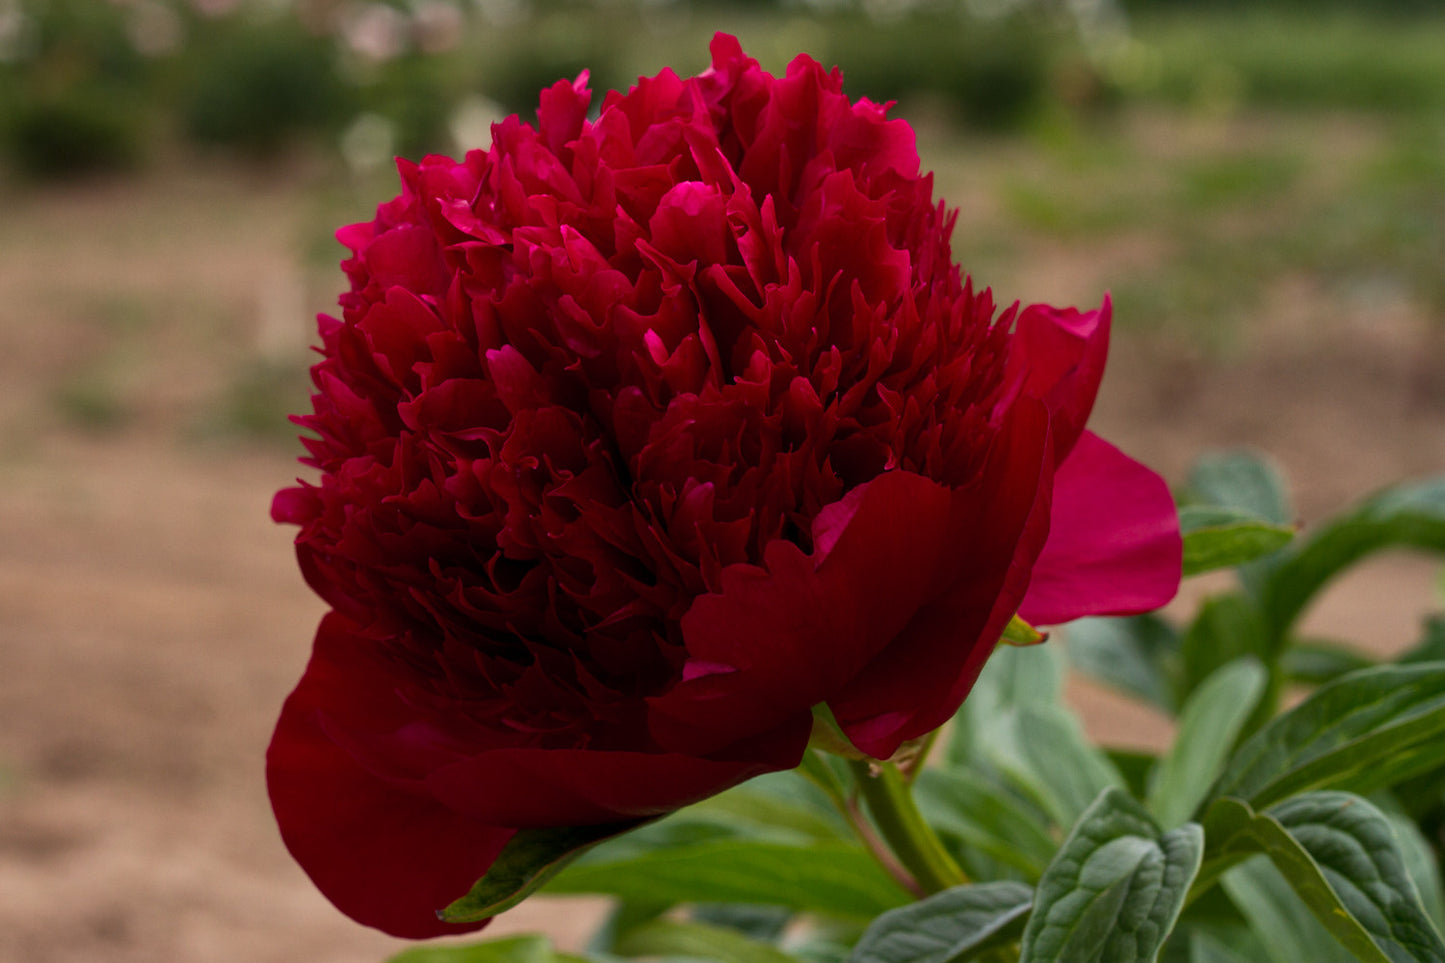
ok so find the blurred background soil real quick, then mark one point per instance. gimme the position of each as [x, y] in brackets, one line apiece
[1261, 188]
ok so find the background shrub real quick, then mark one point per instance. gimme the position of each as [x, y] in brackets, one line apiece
[256, 86]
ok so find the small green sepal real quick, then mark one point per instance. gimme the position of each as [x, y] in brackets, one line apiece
[829, 736]
[1020, 633]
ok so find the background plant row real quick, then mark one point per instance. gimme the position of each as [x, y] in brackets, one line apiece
[87, 85]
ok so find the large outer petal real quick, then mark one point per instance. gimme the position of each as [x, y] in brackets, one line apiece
[997, 529]
[783, 637]
[1057, 355]
[393, 817]
[1114, 546]
[385, 853]
[889, 621]
[530, 788]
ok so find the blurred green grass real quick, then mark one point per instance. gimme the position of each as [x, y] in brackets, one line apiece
[1300, 57]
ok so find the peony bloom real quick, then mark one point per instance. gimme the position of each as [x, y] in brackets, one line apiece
[638, 438]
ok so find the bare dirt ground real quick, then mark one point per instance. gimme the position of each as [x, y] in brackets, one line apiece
[152, 620]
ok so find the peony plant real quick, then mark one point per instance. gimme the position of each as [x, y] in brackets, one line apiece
[668, 449]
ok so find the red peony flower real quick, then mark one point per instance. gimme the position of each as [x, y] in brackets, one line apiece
[638, 438]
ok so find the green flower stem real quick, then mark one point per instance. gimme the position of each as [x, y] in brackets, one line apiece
[879, 850]
[816, 770]
[918, 757]
[918, 848]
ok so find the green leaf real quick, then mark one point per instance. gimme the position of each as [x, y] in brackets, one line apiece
[1228, 627]
[1279, 917]
[1235, 831]
[1315, 662]
[1355, 846]
[1115, 889]
[755, 921]
[1420, 863]
[529, 859]
[826, 940]
[1430, 648]
[822, 876]
[777, 807]
[696, 940]
[1365, 731]
[1133, 655]
[1212, 719]
[1216, 538]
[776, 801]
[1012, 676]
[1019, 675]
[514, 949]
[1340, 856]
[1250, 482]
[1408, 516]
[816, 950]
[1041, 749]
[828, 736]
[1136, 766]
[686, 827]
[625, 917]
[984, 817]
[949, 927]
[1242, 479]
[1204, 948]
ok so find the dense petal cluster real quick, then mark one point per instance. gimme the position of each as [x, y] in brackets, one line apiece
[640, 436]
